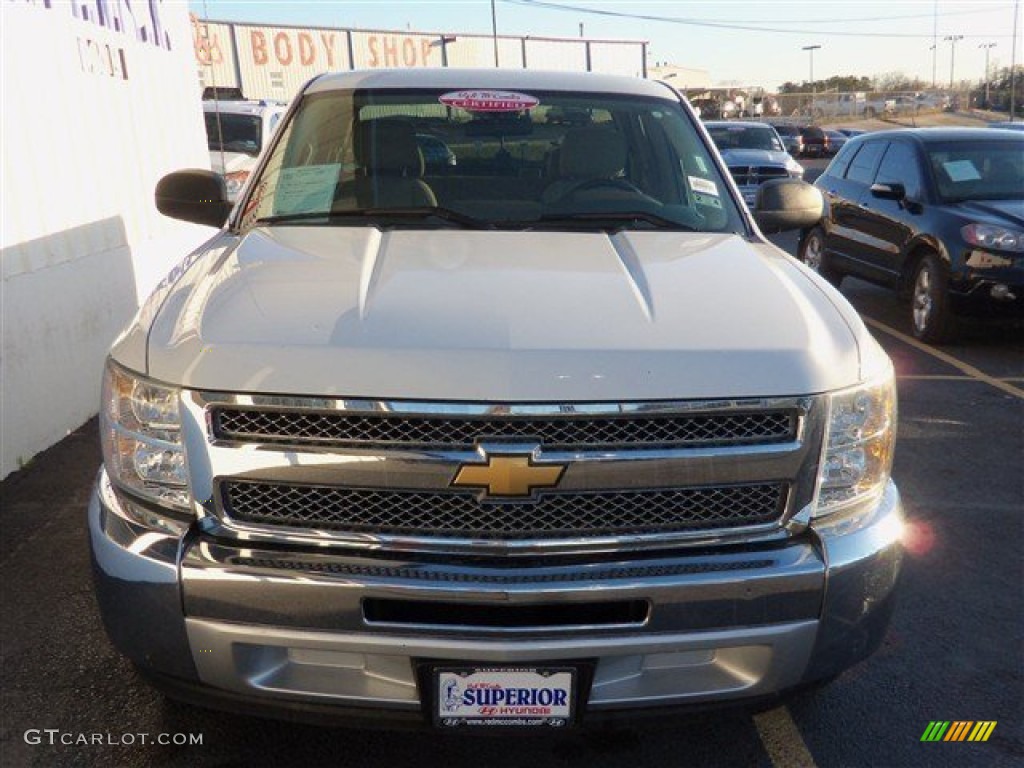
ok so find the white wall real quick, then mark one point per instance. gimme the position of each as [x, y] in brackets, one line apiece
[96, 108]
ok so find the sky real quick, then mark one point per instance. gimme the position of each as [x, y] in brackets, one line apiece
[856, 38]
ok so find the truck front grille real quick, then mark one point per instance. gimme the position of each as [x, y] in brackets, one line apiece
[751, 175]
[563, 431]
[446, 514]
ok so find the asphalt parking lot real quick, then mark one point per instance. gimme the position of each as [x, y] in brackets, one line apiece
[953, 652]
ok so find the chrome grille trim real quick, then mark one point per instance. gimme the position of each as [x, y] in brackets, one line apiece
[745, 175]
[445, 514]
[468, 575]
[566, 430]
[214, 461]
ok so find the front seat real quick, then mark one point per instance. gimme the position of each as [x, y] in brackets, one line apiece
[586, 155]
[391, 167]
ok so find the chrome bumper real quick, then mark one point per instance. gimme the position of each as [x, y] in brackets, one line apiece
[290, 628]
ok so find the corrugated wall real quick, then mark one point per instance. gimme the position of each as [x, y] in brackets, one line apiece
[556, 54]
[379, 50]
[617, 58]
[275, 62]
[479, 52]
[215, 53]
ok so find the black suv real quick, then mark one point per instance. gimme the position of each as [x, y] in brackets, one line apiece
[815, 141]
[936, 213]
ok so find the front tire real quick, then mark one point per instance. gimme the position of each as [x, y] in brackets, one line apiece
[812, 253]
[930, 314]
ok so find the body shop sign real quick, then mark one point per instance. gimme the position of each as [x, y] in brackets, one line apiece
[489, 101]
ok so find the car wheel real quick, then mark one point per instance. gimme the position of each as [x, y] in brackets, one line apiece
[930, 314]
[869, 112]
[812, 253]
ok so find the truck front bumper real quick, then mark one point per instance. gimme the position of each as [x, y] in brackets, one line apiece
[290, 631]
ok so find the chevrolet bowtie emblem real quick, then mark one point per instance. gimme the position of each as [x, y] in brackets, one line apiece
[509, 476]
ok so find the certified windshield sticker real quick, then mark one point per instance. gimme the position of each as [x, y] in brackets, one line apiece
[306, 189]
[489, 101]
[961, 170]
[708, 187]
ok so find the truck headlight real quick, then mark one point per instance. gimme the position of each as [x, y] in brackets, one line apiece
[233, 183]
[860, 435]
[141, 435]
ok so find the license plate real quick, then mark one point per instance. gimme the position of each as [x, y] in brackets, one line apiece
[504, 696]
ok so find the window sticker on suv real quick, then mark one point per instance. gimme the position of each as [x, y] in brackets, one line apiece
[306, 188]
[961, 170]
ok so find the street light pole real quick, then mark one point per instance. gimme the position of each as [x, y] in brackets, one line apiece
[988, 47]
[811, 49]
[952, 55]
[494, 32]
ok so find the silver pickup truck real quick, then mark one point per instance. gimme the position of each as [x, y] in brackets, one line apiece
[545, 436]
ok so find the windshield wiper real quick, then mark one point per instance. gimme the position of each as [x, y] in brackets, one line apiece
[611, 220]
[405, 214]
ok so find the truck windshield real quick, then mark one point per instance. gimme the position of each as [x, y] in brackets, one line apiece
[233, 132]
[740, 136]
[500, 159]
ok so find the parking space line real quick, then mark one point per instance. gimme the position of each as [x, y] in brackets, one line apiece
[955, 377]
[936, 377]
[782, 739]
[968, 369]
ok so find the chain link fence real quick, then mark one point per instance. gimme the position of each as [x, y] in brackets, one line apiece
[829, 107]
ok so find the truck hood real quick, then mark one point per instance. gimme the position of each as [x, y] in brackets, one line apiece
[502, 316]
[754, 157]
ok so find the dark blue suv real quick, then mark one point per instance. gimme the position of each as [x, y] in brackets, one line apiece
[935, 213]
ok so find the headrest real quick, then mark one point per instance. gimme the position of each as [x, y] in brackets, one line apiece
[592, 153]
[389, 147]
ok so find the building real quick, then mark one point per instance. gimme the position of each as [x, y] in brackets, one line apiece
[273, 62]
[682, 78]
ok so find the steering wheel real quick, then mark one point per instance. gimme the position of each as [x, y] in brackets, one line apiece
[619, 184]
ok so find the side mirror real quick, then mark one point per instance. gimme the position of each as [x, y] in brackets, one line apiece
[784, 204]
[890, 191]
[197, 196]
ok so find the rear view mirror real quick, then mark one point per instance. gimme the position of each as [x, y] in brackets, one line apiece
[195, 195]
[784, 204]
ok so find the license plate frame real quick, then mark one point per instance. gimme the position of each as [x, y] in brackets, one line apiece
[525, 696]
